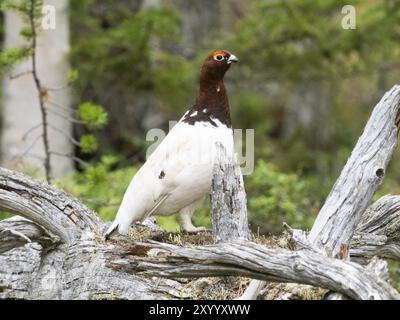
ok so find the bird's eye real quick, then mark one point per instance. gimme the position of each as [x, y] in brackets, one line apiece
[219, 57]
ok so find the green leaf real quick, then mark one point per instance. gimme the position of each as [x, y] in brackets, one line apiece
[26, 33]
[72, 75]
[88, 143]
[9, 57]
[93, 115]
[109, 160]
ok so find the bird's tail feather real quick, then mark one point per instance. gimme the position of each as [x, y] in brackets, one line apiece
[111, 230]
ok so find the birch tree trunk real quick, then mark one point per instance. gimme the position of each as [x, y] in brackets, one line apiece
[21, 112]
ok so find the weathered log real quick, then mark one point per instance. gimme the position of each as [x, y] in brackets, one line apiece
[244, 258]
[47, 206]
[362, 175]
[86, 272]
[81, 265]
[378, 233]
[75, 267]
[228, 199]
[359, 179]
[73, 272]
[376, 266]
[17, 231]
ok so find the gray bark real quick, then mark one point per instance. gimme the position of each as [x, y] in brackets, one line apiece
[228, 198]
[378, 233]
[81, 266]
[17, 231]
[73, 272]
[63, 256]
[47, 206]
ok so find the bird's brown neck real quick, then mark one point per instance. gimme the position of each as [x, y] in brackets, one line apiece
[212, 102]
[212, 92]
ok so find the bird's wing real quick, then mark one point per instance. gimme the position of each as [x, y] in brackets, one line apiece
[157, 178]
[159, 202]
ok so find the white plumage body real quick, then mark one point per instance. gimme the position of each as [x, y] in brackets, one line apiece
[176, 176]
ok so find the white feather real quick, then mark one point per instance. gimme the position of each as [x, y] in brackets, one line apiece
[186, 157]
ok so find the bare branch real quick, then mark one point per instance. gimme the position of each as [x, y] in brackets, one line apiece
[18, 75]
[70, 119]
[71, 156]
[31, 130]
[27, 150]
[77, 227]
[57, 105]
[361, 176]
[59, 88]
[40, 90]
[66, 135]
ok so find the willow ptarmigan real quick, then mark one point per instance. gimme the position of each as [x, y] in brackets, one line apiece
[177, 175]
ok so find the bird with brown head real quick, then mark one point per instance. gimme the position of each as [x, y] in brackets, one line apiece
[177, 175]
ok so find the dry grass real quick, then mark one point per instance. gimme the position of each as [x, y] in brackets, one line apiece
[292, 291]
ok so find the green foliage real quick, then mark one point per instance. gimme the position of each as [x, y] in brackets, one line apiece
[10, 57]
[99, 187]
[93, 115]
[275, 197]
[174, 82]
[29, 10]
[133, 72]
[72, 75]
[124, 35]
[304, 39]
[88, 143]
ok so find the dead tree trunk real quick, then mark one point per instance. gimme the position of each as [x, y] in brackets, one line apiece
[59, 253]
[228, 198]
[357, 183]
[360, 178]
